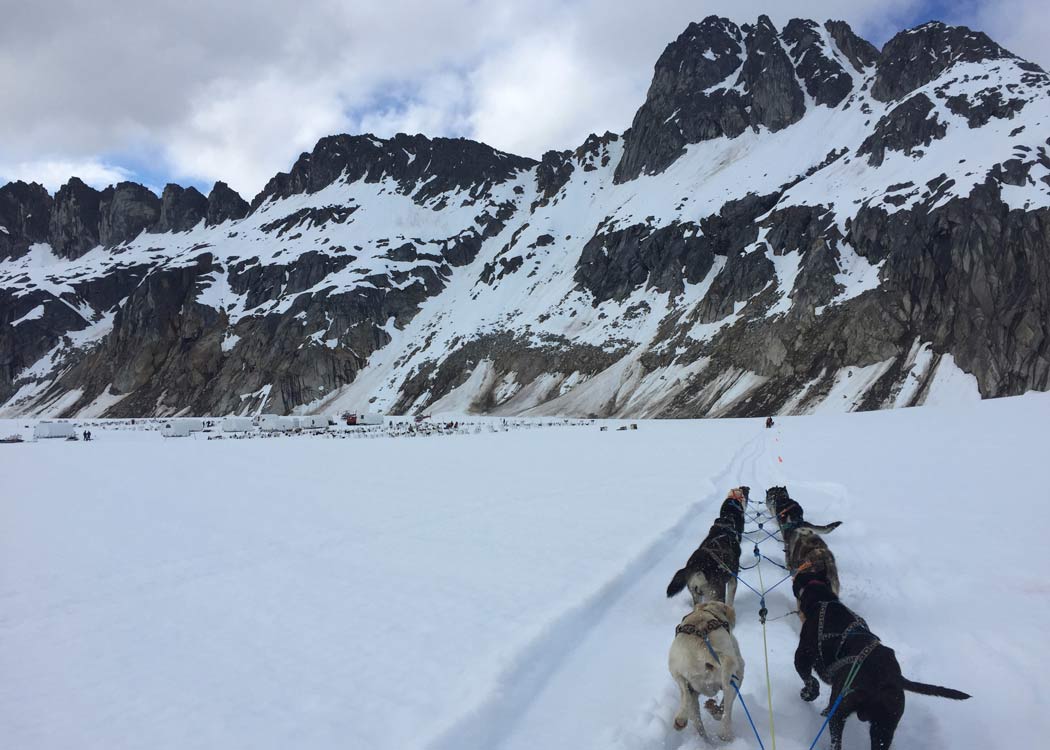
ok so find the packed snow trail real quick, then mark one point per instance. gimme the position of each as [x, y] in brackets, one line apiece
[599, 679]
[603, 642]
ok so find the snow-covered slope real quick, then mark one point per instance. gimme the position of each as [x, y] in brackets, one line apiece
[796, 221]
[508, 591]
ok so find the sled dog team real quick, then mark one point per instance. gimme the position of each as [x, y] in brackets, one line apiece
[834, 641]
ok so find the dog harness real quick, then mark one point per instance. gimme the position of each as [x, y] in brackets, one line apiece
[791, 505]
[856, 628]
[712, 625]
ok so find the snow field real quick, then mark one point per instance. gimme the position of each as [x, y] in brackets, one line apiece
[504, 590]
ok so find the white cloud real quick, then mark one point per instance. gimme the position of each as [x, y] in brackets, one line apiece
[1022, 26]
[236, 90]
[53, 173]
[233, 129]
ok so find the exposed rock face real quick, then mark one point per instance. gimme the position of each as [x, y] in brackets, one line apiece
[125, 211]
[907, 126]
[685, 103]
[858, 254]
[612, 266]
[24, 213]
[224, 204]
[861, 53]
[971, 277]
[824, 77]
[915, 57]
[439, 165]
[74, 221]
[553, 171]
[717, 80]
[768, 76]
[986, 105]
[180, 209]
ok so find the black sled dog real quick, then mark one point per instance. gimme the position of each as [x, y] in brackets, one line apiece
[838, 644]
[789, 515]
[710, 573]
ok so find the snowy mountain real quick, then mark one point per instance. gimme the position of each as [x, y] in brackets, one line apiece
[795, 221]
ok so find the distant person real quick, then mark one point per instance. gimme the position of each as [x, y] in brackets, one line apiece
[769, 422]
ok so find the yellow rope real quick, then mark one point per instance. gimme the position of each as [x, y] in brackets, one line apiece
[765, 648]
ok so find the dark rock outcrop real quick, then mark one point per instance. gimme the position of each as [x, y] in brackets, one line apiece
[24, 213]
[768, 76]
[904, 128]
[73, 228]
[225, 204]
[443, 164]
[554, 170]
[861, 53]
[984, 106]
[915, 57]
[614, 265]
[973, 278]
[126, 210]
[180, 209]
[825, 79]
[684, 103]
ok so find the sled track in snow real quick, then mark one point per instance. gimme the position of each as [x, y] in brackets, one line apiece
[494, 722]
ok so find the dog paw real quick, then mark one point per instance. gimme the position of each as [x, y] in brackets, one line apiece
[679, 723]
[810, 690]
[726, 736]
[716, 710]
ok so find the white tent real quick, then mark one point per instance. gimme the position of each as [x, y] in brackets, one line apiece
[54, 430]
[175, 428]
[236, 424]
[313, 423]
[277, 423]
[193, 424]
[370, 417]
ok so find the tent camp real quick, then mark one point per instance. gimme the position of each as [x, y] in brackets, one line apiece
[54, 430]
[236, 424]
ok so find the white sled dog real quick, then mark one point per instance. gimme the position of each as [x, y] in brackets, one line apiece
[699, 670]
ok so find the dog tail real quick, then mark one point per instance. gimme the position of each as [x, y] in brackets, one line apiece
[936, 690]
[821, 529]
[681, 578]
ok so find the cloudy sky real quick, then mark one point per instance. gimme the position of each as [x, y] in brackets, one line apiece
[194, 91]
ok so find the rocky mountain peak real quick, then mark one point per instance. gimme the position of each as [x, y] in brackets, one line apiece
[685, 103]
[125, 210]
[717, 80]
[180, 209]
[24, 212]
[861, 53]
[768, 77]
[74, 224]
[917, 56]
[826, 81]
[407, 159]
[225, 204]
